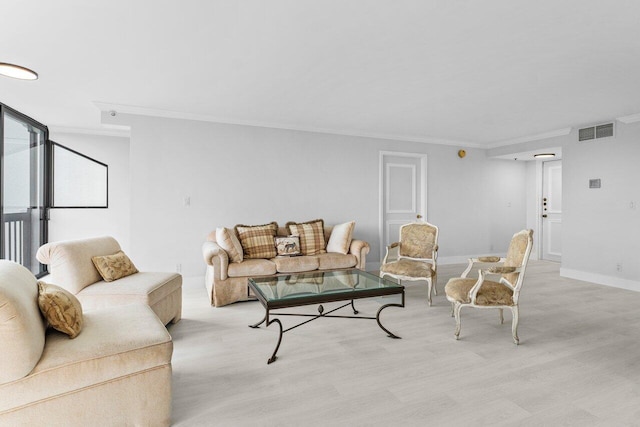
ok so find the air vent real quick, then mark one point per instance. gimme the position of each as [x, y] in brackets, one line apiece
[595, 132]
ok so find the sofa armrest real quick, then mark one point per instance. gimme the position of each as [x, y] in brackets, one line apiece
[70, 262]
[217, 258]
[360, 249]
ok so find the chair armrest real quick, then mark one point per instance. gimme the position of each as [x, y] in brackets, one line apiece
[217, 258]
[501, 270]
[473, 292]
[360, 249]
[482, 259]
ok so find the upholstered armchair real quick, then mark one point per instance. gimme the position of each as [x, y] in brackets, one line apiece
[500, 294]
[417, 256]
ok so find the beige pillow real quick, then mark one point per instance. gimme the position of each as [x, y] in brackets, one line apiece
[228, 241]
[311, 236]
[340, 239]
[114, 267]
[61, 309]
[258, 241]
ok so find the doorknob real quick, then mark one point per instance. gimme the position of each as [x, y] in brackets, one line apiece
[418, 216]
[544, 216]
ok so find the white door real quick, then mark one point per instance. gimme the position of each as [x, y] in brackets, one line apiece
[551, 238]
[403, 193]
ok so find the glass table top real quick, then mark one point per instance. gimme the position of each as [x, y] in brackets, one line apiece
[316, 285]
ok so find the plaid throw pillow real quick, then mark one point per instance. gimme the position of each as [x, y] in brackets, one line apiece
[258, 240]
[311, 236]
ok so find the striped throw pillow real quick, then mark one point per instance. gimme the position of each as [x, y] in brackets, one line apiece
[258, 241]
[311, 236]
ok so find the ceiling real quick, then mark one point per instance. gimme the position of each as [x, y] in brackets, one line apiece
[477, 73]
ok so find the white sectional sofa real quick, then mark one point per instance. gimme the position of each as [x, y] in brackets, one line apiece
[70, 266]
[116, 372]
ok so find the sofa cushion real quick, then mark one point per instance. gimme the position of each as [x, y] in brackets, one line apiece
[311, 236]
[70, 262]
[116, 343]
[340, 239]
[114, 267]
[21, 325]
[258, 241]
[143, 287]
[61, 309]
[331, 261]
[252, 267]
[295, 264]
[228, 241]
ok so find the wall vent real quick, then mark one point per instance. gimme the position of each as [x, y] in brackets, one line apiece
[595, 132]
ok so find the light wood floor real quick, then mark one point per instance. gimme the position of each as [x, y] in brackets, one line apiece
[578, 362]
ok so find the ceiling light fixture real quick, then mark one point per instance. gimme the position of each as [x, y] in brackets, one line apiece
[17, 72]
[544, 155]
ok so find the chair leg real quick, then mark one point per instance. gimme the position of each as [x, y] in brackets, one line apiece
[501, 315]
[514, 324]
[429, 289]
[435, 283]
[453, 306]
[456, 310]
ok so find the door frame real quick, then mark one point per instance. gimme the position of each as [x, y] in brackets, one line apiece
[381, 207]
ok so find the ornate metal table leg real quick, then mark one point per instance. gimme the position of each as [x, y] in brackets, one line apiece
[273, 356]
[390, 334]
[257, 325]
[354, 308]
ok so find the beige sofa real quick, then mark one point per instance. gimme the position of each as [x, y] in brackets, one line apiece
[226, 281]
[70, 267]
[116, 372]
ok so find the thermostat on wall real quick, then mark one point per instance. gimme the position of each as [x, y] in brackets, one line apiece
[594, 183]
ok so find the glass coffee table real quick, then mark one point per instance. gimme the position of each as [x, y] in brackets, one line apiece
[298, 290]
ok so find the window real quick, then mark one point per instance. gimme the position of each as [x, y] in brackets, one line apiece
[78, 181]
[37, 174]
[23, 176]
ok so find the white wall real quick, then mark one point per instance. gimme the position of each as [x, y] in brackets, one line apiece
[81, 223]
[601, 229]
[240, 174]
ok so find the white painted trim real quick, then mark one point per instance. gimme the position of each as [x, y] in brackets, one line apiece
[545, 135]
[120, 132]
[423, 179]
[152, 112]
[600, 279]
[629, 119]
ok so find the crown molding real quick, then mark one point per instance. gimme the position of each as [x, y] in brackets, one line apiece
[537, 137]
[629, 119]
[153, 112]
[119, 131]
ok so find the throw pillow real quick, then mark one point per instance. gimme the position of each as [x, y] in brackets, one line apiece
[61, 309]
[340, 239]
[258, 241]
[114, 267]
[288, 246]
[228, 241]
[311, 236]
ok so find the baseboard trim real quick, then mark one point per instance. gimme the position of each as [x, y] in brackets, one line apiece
[600, 279]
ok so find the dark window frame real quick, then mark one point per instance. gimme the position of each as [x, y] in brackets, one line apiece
[46, 197]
